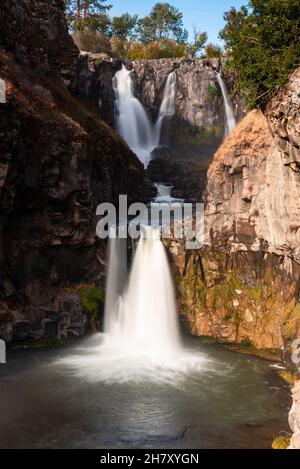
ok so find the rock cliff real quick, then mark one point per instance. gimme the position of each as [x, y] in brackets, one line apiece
[244, 285]
[58, 161]
[36, 33]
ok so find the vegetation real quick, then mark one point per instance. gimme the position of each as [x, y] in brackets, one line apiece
[88, 15]
[160, 34]
[262, 39]
[91, 298]
[163, 22]
[263, 45]
[288, 377]
[212, 51]
[199, 40]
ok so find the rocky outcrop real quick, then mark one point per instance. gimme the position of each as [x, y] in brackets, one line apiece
[244, 285]
[36, 33]
[58, 161]
[283, 114]
[294, 418]
[95, 83]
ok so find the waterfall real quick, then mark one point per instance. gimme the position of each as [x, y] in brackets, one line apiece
[230, 118]
[142, 339]
[167, 107]
[115, 281]
[164, 195]
[133, 123]
[145, 322]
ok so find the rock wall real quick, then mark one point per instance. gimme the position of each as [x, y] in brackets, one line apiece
[294, 418]
[244, 285]
[35, 32]
[95, 83]
[58, 161]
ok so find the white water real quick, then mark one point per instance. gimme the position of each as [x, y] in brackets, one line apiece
[146, 321]
[142, 337]
[164, 195]
[230, 118]
[133, 123]
[115, 280]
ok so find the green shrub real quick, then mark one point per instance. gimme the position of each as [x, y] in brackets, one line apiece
[263, 46]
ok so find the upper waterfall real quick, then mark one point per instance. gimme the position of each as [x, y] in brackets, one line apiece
[133, 123]
[230, 118]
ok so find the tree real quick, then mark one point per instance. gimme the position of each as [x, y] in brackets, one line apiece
[212, 51]
[163, 22]
[263, 46]
[88, 14]
[123, 27]
[199, 40]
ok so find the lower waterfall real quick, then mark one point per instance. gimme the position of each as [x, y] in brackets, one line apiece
[142, 340]
[146, 319]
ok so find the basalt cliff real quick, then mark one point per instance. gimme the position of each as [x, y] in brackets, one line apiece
[58, 161]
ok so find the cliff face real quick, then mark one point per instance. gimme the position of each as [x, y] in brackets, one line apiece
[244, 285]
[58, 161]
[35, 32]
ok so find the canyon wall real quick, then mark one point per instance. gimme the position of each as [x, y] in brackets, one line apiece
[36, 33]
[58, 161]
[244, 285]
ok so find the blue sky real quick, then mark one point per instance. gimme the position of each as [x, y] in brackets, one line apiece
[207, 15]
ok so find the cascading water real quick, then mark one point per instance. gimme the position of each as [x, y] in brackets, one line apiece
[142, 340]
[133, 123]
[115, 281]
[167, 108]
[164, 195]
[230, 118]
[147, 319]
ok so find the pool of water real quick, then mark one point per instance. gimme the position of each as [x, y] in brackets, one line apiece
[53, 398]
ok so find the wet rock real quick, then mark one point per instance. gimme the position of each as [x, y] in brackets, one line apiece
[21, 330]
